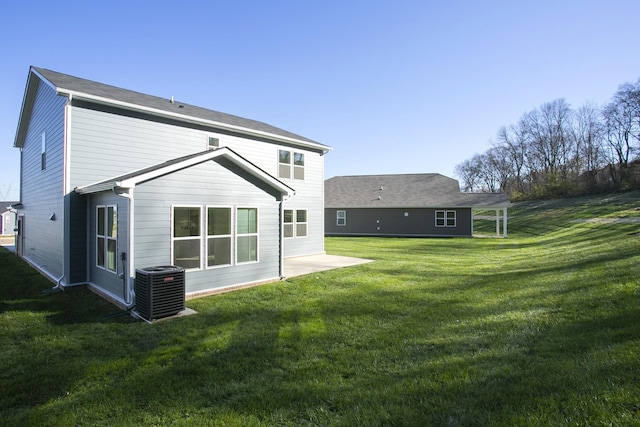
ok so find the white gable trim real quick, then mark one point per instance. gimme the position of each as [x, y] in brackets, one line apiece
[133, 179]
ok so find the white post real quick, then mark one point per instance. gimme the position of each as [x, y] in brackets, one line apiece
[504, 222]
[497, 223]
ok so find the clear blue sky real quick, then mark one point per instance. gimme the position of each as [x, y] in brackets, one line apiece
[396, 86]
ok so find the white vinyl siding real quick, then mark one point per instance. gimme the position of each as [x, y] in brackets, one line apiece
[217, 187]
[99, 139]
[42, 190]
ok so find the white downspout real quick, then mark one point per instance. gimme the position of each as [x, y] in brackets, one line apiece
[128, 275]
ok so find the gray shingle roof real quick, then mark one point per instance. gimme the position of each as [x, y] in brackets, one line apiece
[64, 82]
[404, 191]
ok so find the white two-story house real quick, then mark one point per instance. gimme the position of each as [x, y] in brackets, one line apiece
[114, 180]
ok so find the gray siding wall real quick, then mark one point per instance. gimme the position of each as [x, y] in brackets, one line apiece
[42, 190]
[396, 222]
[208, 184]
[110, 282]
[106, 145]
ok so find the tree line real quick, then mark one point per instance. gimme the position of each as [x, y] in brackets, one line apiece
[556, 151]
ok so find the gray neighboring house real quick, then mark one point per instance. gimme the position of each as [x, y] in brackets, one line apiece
[114, 180]
[7, 218]
[412, 205]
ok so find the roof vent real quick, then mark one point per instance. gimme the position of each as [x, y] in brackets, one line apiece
[381, 188]
[171, 100]
[379, 197]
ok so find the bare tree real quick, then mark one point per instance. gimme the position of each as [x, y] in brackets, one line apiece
[621, 127]
[469, 172]
[513, 142]
[588, 134]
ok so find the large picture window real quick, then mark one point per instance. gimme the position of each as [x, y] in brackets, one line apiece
[295, 223]
[218, 236]
[246, 235]
[290, 164]
[187, 239]
[445, 218]
[107, 237]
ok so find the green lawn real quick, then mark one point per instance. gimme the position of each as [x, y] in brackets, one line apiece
[539, 329]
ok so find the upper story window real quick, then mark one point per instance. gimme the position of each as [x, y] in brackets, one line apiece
[341, 218]
[213, 143]
[290, 164]
[445, 218]
[43, 151]
[107, 237]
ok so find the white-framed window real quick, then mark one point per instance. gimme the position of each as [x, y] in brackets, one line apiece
[341, 218]
[186, 237]
[295, 223]
[290, 164]
[246, 235]
[445, 218]
[213, 143]
[43, 151]
[107, 237]
[219, 236]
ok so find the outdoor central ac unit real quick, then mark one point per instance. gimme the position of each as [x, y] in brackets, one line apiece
[159, 291]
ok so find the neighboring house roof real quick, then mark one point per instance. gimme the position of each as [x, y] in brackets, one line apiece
[224, 156]
[100, 93]
[4, 206]
[428, 190]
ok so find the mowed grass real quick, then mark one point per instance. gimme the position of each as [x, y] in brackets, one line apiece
[539, 329]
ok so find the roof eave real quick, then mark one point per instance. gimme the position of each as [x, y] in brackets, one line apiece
[190, 119]
[27, 103]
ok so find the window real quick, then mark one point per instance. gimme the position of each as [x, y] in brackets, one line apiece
[218, 236]
[106, 237]
[295, 220]
[288, 223]
[43, 151]
[301, 223]
[298, 166]
[186, 237]
[341, 218]
[213, 143]
[246, 235]
[445, 218]
[285, 164]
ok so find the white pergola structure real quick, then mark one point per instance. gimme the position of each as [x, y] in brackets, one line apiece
[501, 214]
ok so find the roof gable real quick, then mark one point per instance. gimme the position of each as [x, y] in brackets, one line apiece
[100, 93]
[224, 156]
[404, 191]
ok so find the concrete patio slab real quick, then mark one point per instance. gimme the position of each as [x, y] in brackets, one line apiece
[298, 266]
